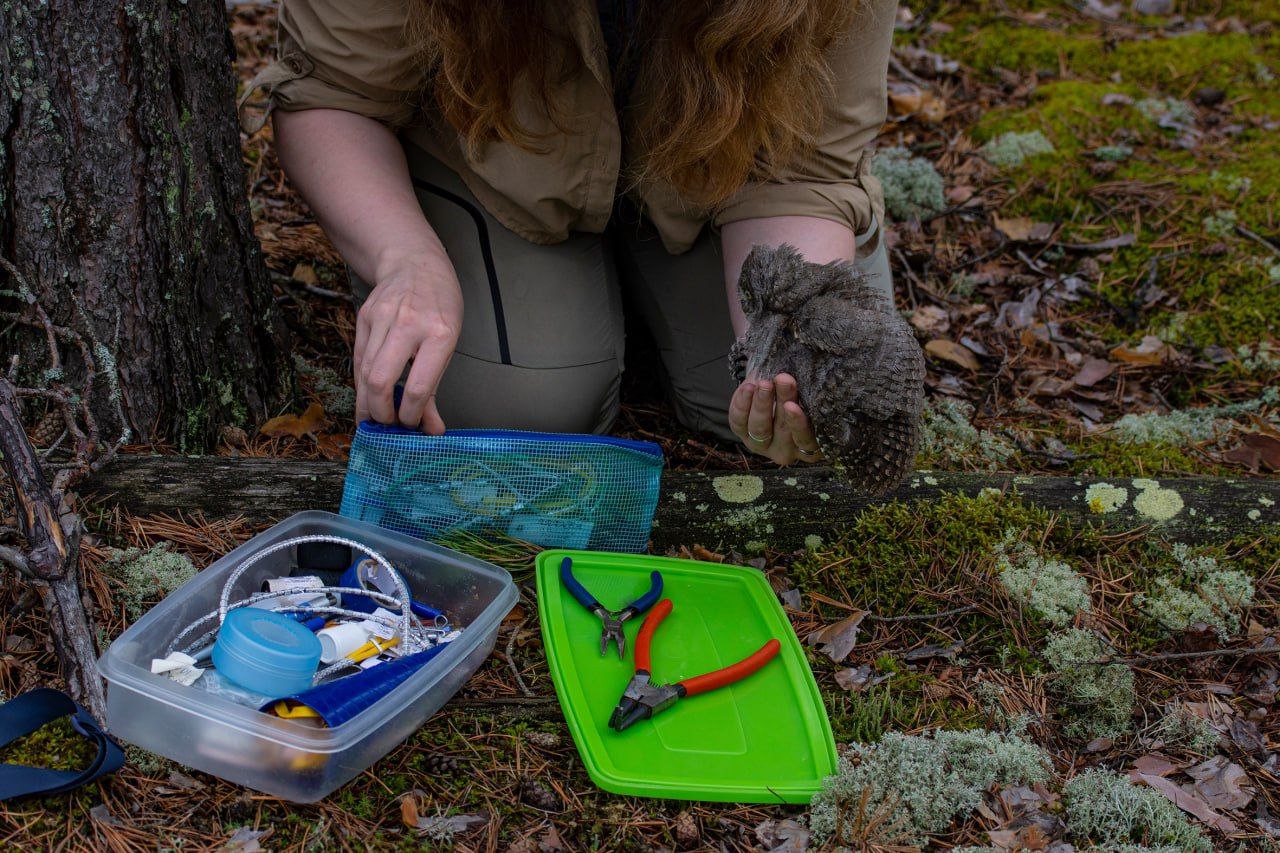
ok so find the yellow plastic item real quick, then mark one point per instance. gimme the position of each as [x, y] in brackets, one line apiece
[293, 711]
[371, 648]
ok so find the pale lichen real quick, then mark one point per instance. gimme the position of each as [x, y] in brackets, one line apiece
[1180, 728]
[912, 186]
[1105, 808]
[1200, 592]
[1155, 502]
[909, 787]
[1010, 150]
[1050, 589]
[946, 432]
[738, 488]
[145, 577]
[1099, 697]
[1102, 498]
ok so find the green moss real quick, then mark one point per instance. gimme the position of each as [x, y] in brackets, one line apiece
[882, 558]
[55, 746]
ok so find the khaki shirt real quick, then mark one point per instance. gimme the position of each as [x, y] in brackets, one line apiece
[353, 55]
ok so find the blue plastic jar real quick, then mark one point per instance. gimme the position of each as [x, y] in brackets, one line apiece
[266, 652]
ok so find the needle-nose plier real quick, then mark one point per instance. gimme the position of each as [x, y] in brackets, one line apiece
[610, 620]
[642, 699]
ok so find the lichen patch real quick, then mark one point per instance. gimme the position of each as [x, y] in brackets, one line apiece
[1155, 502]
[1104, 497]
[738, 488]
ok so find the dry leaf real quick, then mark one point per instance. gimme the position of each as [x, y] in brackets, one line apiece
[952, 352]
[1188, 802]
[908, 99]
[783, 836]
[960, 193]
[1151, 351]
[931, 319]
[409, 811]
[334, 446]
[1155, 764]
[1093, 371]
[1219, 782]
[304, 273]
[1024, 229]
[1257, 451]
[837, 641]
[295, 425]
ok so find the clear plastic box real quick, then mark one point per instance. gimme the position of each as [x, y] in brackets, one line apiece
[282, 757]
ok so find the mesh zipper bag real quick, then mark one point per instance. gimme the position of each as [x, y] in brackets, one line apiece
[554, 490]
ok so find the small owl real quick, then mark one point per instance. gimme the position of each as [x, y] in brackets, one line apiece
[857, 365]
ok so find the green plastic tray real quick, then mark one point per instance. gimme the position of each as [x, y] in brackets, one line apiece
[765, 739]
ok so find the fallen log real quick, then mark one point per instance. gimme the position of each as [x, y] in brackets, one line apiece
[779, 508]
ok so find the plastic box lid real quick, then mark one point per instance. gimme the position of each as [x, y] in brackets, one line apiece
[765, 739]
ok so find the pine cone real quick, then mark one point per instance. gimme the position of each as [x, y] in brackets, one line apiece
[686, 830]
[534, 793]
[441, 765]
[47, 429]
[543, 740]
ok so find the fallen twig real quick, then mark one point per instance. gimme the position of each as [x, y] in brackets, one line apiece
[1257, 238]
[922, 617]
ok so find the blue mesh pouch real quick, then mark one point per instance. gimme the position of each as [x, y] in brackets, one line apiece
[555, 490]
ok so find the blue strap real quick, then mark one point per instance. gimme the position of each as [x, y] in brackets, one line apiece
[23, 715]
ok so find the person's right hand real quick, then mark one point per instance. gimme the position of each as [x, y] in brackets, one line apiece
[414, 313]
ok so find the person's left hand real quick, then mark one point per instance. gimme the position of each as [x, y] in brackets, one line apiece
[767, 416]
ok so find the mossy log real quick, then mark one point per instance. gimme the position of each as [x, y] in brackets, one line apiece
[777, 508]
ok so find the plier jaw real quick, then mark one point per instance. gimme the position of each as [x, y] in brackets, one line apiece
[611, 629]
[641, 700]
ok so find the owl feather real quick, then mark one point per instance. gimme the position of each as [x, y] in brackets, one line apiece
[858, 368]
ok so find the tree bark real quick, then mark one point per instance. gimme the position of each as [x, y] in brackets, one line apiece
[122, 194]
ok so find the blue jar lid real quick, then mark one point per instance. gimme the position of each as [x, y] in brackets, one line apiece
[255, 646]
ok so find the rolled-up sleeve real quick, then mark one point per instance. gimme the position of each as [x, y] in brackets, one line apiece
[348, 55]
[832, 180]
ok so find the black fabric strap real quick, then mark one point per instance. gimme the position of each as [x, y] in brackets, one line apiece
[23, 715]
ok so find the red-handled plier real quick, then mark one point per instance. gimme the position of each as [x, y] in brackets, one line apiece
[641, 700]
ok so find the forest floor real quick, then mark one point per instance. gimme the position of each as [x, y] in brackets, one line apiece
[1086, 238]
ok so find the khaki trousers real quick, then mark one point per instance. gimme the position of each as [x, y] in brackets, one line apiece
[542, 333]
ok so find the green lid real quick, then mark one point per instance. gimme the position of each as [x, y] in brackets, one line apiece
[765, 739]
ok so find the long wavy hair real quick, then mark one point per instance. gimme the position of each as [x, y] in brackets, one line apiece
[725, 90]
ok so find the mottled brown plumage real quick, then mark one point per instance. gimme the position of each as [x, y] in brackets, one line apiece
[859, 369]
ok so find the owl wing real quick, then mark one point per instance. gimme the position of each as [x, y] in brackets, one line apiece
[865, 391]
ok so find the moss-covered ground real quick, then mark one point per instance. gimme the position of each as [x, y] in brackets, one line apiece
[1160, 200]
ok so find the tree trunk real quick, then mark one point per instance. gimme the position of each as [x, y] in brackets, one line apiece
[122, 194]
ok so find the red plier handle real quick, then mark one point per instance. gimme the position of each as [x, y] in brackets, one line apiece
[711, 680]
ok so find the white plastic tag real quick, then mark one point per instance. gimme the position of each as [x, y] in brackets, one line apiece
[293, 584]
[380, 629]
